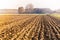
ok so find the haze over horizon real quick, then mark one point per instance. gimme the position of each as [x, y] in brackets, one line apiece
[14, 4]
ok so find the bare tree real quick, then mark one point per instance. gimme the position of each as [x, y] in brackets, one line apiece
[29, 8]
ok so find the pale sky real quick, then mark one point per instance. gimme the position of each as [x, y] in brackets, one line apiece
[13, 4]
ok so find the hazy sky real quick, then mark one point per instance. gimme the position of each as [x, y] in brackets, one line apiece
[13, 4]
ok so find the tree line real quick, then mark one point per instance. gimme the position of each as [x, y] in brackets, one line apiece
[30, 9]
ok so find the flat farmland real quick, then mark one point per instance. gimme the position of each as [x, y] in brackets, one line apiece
[29, 27]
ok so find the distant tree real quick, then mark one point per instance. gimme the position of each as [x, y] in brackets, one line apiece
[21, 10]
[29, 8]
[38, 10]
